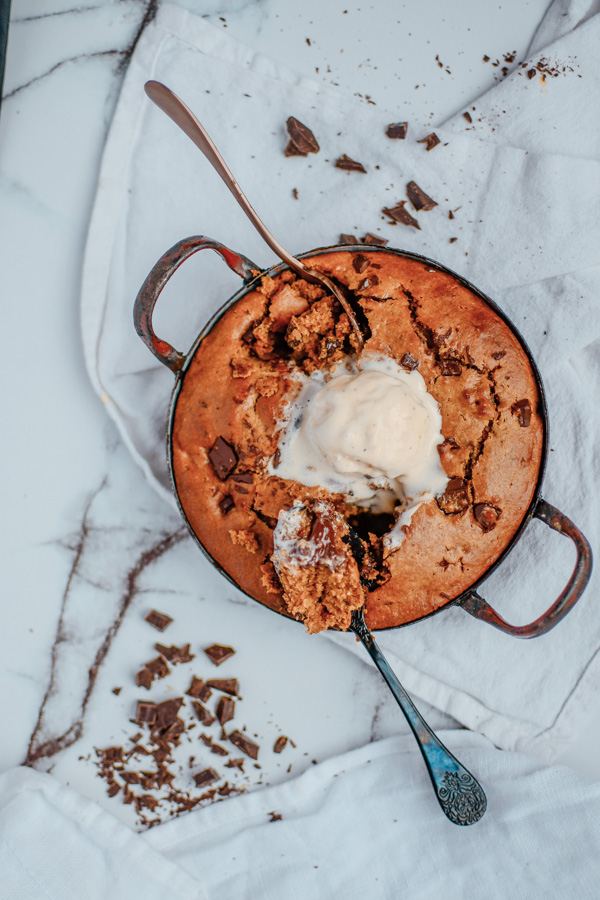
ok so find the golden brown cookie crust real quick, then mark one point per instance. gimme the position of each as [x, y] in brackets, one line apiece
[238, 383]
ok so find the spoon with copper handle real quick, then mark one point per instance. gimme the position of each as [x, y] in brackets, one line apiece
[182, 115]
[458, 792]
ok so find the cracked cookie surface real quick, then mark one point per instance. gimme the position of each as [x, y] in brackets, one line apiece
[242, 375]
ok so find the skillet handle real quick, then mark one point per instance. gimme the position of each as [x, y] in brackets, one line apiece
[166, 266]
[478, 607]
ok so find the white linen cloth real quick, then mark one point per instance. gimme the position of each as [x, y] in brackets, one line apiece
[525, 177]
[365, 824]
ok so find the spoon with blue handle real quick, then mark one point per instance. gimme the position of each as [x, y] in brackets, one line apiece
[459, 794]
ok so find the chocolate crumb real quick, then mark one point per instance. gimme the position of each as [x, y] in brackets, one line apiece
[397, 130]
[214, 748]
[175, 654]
[418, 198]
[218, 654]
[244, 744]
[223, 458]
[467, 116]
[226, 685]
[207, 776]
[276, 458]
[205, 716]
[450, 366]
[195, 688]
[280, 744]
[301, 138]
[453, 240]
[360, 263]
[116, 691]
[400, 214]
[522, 410]
[243, 478]
[431, 141]
[409, 362]
[295, 193]
[499, 354]
[275, 817]
[450, 214]
[486, 515]
[374, 240]
[237, 763]
[225, 710]
[349, 165]
[158, 620]
[531, 73]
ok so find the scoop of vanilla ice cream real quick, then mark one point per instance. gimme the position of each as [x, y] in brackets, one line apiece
[371, 433]
[371, 423]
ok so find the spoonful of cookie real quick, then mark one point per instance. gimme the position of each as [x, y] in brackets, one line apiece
[182, 115]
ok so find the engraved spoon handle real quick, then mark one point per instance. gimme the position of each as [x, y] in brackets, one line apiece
[182, 115]
[459, 794]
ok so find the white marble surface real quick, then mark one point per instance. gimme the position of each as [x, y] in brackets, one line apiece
[87, 546]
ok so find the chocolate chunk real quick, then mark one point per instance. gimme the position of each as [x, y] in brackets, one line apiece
[223, 458]
[522, 410]
[349, 165]
[175, 654]
[166, 712]
[205, 716]
[207, 776]
[114, 789]
[195, 688]
[431, 141]
[244, 744]
[360, 263]
[226, 504]
[499, 354]
[292, 150]
[371, 281]
[409, 362]
[280, 744]
[225, 709]
[397, 130]
[144, 678]
[218, 654]
[226, 685]
[467, 116]
[486, 515]
[418, 197]
[373, 240]
[347, 239]
[158, 620]
[130, 777]
[531, 73]
[237, 763]
[400, 214]
[450, 366]
[301, 137]
[243, 478]
[455, 498]
[145, 713]
[205, 694]
[276, 458]
[156, 668]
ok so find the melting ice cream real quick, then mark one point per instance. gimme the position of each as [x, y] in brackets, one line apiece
[371, 434]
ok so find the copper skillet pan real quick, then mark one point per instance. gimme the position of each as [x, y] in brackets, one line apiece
[452, 792]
